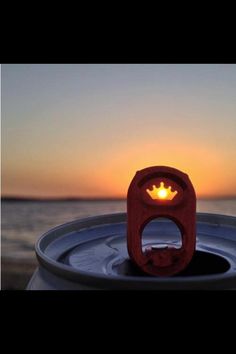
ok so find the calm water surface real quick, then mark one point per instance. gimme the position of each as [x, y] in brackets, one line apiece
[24, 222]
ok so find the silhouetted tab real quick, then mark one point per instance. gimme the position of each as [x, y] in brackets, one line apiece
[156, 192]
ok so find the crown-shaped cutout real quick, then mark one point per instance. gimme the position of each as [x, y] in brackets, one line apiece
[161, 192]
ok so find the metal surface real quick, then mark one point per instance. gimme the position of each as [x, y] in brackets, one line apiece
[144, 203]
[92, 254]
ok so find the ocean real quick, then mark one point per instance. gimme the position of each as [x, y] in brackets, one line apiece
[23, 222]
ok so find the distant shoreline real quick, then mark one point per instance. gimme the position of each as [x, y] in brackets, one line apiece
[90, 199]
[70, 199]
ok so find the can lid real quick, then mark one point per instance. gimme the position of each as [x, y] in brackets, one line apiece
[93, 251]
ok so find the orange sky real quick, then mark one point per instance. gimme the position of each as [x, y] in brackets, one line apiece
[84, 130]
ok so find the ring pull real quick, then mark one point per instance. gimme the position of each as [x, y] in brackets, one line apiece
[154, 192]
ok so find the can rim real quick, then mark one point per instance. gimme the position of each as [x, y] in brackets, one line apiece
[210, 281]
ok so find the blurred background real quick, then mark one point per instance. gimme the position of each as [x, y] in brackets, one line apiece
[73, 137]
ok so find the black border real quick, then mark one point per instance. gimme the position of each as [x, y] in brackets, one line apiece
[114, 48]
[84, 304]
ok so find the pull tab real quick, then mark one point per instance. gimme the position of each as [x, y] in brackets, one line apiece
[161, 192]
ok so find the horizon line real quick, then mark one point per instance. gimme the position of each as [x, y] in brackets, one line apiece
[95, 198]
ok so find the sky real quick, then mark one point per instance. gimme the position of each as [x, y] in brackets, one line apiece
[83, 130]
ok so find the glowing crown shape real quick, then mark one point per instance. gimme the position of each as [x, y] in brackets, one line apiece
[161, 192]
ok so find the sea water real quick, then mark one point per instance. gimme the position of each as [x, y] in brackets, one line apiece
[23, 222]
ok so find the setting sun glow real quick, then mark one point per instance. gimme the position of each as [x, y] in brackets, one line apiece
[161, 192]
[84, 130]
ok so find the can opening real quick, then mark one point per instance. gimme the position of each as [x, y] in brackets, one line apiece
[161, 237]
[202, 263]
